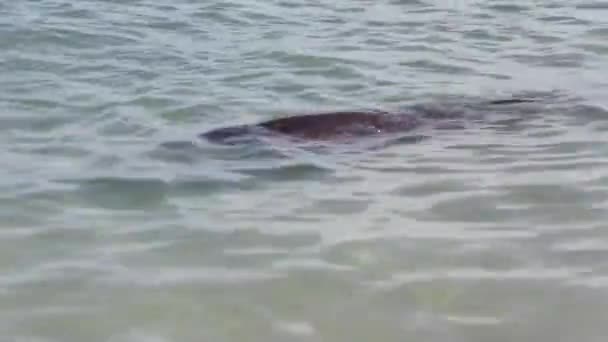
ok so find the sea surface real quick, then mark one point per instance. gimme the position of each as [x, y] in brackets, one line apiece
[118, 223]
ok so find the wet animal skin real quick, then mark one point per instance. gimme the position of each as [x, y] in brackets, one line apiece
[330, 126]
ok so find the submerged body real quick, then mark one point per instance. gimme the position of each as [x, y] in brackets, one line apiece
[330, 126]
[321, 126]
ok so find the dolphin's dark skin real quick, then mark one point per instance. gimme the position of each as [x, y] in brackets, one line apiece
[330, 126]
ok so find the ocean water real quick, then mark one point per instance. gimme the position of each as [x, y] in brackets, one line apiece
[117, 223]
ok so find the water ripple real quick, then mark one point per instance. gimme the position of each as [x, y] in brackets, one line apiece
[118, 220]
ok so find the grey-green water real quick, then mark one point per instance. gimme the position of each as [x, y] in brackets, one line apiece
[482, 234]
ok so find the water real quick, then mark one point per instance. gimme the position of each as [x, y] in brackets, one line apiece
[117, 224]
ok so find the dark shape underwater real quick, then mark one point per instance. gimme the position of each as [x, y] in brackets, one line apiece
[334, 126]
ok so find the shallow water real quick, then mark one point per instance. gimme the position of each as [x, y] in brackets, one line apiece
[118, 224]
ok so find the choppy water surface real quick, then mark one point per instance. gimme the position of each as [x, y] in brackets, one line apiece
[117, 224]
